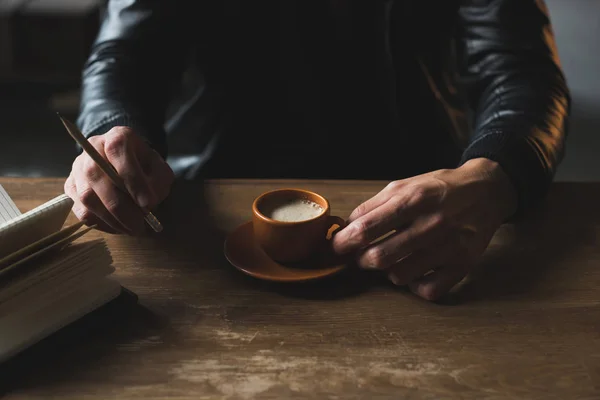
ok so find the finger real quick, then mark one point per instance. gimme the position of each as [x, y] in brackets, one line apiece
[114, 201]
[417, 264]
[90, 219]
[78, 209]
[396, 212]
[420, 234]
[118, 205]
[81, 211]
[69, 187]
[92, 185]
[438, 283]
[374, 202]
[121, 151]
[92, 212]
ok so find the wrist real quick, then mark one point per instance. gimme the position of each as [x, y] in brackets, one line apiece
[491, 177]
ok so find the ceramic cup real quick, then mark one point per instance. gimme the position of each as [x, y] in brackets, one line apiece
[289, 241]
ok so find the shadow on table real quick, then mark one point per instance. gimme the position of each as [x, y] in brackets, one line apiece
[190, 232]
[79, 346]
[345, 284]
[534, 251]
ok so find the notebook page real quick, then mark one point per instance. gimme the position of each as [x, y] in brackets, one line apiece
[34, 225]
[28, 327]
[48, 291]
[75, 258]
[55, 241]
[62, 275]
[8, 209]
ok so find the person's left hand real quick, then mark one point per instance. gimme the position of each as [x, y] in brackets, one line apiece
[437, 225]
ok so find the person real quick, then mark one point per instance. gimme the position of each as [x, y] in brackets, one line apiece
[461, 105]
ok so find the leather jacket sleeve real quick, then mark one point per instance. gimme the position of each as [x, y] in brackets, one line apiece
[509, 66]
[135, 60]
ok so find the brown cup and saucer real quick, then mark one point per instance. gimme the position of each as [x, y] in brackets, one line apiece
[288, 238]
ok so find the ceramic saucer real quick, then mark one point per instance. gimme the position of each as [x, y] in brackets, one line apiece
[242, 251]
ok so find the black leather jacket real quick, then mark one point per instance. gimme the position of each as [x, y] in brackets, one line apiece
[486, 71]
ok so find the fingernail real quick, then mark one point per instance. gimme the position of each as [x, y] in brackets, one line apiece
[143, 200]
[394, 279]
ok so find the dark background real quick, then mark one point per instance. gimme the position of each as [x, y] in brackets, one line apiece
[43, 44]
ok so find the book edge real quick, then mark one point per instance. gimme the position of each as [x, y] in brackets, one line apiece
[50, 328]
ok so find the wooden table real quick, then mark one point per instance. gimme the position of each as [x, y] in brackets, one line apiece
[526, 325]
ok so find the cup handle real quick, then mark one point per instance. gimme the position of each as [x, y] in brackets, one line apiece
[334, 221]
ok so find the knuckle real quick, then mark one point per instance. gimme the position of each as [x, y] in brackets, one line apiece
[116, 141]
[78, 164]
[113, 206]
[393, 185]
[361, 232]
[131, 177]
[90, 170]
[87, 197]
[441, 187]
[417, 196]
[360, 210]
[119, 131]
[399, 207]
[440, 221]
[83, 214]
[377, 257]
[69, 186]
[96, 140]
[114, 146]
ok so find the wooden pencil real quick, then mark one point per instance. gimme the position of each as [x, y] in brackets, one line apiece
[106, 167]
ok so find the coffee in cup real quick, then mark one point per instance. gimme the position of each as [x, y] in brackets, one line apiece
[291, 210]
[292, 224]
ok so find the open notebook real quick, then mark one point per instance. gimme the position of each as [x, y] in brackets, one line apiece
[48, 278]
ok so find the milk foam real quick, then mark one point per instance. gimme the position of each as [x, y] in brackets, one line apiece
[294, 210]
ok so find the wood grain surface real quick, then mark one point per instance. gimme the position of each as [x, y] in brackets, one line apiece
[524, 325]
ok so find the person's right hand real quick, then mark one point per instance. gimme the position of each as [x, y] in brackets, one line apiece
[97, 201]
